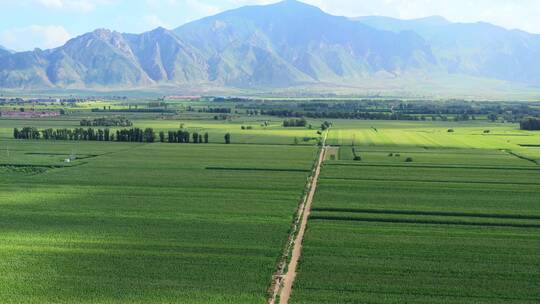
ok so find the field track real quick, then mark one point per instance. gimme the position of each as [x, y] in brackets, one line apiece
[288, 278]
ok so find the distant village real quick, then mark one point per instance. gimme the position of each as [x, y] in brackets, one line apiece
[53, 100]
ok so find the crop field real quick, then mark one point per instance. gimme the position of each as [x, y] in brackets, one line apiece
[405, 212]
[273, 134]
[459, 223]
[432, 135]
[138, 223]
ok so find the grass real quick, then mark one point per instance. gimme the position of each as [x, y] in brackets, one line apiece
[401, 136]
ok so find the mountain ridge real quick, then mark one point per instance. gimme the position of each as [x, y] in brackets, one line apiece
[285, 44]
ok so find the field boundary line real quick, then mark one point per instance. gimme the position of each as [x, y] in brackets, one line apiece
[430, 213]
[429, 181]
[283, 280]
[428, 166]
[522, 157]
[422, 222]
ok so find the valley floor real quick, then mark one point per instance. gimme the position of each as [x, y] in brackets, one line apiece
[423, 215]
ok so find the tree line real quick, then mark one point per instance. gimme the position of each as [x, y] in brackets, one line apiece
[124, 135]
[88, 134]
[299, 122]
[183, 137]
[106, 122]
[530, 124]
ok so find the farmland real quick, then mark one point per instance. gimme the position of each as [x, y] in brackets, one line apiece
[429, 212]
[460, 223]
[136, 223]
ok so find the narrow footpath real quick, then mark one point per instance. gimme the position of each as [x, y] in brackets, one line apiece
[287, 280]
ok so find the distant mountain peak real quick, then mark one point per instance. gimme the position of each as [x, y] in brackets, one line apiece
[103, 32]
[283, 44]
[434, 20]
[5, 51]
[294, 5]
[160, 31]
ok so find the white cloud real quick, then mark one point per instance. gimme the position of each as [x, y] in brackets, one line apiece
[521, 14]
[72, 5]
[28, 38]
[153, 21]
[195, 8]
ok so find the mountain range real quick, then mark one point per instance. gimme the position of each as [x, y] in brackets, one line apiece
[285, 44]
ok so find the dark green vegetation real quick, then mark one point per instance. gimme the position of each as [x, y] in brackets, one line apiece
[106, 122]
[392, 109]
[121, 135]
[454, 226]
[531, 124]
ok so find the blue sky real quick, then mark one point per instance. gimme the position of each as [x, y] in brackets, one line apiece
[26, 24]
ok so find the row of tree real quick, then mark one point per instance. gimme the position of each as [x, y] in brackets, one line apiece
[183, 137]
[106, 122]
[90, 134]
[124, 135]
[295, 122]
[349, 115]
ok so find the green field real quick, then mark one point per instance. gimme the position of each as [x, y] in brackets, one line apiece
[140, 223]
[458, 224]
[208, 223]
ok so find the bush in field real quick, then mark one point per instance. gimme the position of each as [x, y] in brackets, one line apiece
[228, 138]
[450, 131]
[409, 160]
[325, 125]
[295, 122]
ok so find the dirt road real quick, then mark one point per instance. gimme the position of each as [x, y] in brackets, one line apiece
[288, 278]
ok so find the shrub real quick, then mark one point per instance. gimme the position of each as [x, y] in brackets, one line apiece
[357, 158]
[295, 122]
[409, 160]
[450, 131]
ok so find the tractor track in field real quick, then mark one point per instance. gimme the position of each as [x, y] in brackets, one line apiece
[283, 282]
